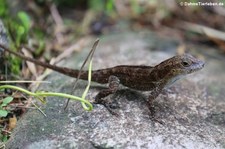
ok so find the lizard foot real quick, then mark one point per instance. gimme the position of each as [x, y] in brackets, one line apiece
[109, 106]
[157, 120]
[112, 88]
[111, 111]
[152, 114]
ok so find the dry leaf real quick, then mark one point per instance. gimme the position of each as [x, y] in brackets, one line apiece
[12, 123]
[31, 66]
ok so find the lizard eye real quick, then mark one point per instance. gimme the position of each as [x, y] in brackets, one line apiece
[185, 64]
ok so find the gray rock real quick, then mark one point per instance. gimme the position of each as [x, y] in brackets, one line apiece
[192, 111]
[5, 42]
[3, 36]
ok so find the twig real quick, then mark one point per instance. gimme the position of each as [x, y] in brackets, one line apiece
[24, 81]
[90, 55]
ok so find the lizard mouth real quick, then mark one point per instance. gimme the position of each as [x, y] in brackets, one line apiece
[197, 66]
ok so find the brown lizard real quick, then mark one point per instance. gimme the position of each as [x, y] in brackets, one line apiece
[143, 78]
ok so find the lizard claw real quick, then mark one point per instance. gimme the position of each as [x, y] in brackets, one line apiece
[112, 112]
[154, 119]
[152, 112]
[109, 106]
[113, 105]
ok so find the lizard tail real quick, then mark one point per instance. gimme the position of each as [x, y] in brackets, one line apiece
[66, 71]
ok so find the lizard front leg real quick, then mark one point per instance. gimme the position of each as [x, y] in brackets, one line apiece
[153, 95]
[112, 88]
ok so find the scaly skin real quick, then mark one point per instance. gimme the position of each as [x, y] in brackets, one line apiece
[144, 78]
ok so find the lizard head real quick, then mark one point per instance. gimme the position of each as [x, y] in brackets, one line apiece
[185, 64]
[178, 66]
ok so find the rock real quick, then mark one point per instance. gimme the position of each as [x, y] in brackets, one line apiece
[192, 111]
[3, 41]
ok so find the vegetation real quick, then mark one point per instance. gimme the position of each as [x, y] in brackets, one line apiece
[5, 102]
[47, 28]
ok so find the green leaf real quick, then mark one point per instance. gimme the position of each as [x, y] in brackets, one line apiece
[7, 100]
[3, 113]
[3, 8]
[4, 138]
[109, 5]
[20, 30]
[2, 105]
[25, 20]
[20, 34]
[97, 5]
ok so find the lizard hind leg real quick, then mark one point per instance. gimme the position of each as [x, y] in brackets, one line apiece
[112, 88]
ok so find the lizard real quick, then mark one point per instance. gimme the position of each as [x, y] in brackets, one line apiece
[138, 77]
